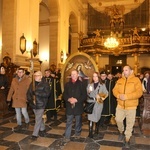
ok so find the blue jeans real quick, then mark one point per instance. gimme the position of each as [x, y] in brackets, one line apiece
[78, 125]
[19, 115]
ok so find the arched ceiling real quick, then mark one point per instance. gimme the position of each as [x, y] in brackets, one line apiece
[101, 5]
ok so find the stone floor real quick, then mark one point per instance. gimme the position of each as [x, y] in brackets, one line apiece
[106, 140]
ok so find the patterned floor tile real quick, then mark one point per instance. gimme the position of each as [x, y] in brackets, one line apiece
[62, 125]
[107, 139]
[3, 148]
[16, 137]
[42, 141]
[111, 137]
[74, 146]
[109, 148]
[84, 134]
[9, 125]
[56, 131]
[142, 140]
[85, 126]
[1, 132]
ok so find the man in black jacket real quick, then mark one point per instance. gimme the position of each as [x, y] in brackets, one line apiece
[37, 99]
[74, 96]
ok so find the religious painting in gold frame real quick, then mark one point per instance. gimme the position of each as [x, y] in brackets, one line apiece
[83, 63]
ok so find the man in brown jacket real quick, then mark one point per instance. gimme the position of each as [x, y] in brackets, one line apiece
[17, 92]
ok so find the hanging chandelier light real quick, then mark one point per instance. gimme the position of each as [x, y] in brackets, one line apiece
[111, 42]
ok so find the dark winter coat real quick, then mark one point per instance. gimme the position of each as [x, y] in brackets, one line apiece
[110, 103]
[78, 91]
[42, 92]
[55, 89]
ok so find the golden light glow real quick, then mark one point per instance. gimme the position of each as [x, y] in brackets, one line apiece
[0, 45]
[111, 42]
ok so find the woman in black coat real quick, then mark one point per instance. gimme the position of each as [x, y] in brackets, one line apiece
[3, 91]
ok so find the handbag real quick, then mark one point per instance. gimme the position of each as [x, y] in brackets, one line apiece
[88, 108]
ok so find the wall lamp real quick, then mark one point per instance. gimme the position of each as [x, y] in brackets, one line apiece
[23, 46]
[61, 56]
[0, 46]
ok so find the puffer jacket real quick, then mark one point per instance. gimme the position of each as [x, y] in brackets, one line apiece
[42, 92]
[132, 88]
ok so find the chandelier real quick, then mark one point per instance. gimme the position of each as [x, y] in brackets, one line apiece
[111, 42]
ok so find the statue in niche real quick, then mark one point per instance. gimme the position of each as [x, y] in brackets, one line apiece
[10, 68]
[81, 34]
[97, 33]
[135, 32]
[135, 35]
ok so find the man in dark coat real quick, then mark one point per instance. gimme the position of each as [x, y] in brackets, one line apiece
[109, 105]
[50, 106]
[74, 96]
[37, 99]
[54, 82]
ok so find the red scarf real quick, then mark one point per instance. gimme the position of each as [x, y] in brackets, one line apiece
[73, 81]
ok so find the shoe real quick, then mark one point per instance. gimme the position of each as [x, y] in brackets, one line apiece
[90, 136]
[42, 133]
[33, 138]
[26, 126]
[66, 140]
[127, 145]
[76, 136]
[19, 127]
[121, 137]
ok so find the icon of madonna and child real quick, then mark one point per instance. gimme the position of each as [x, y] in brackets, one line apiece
[82, 75]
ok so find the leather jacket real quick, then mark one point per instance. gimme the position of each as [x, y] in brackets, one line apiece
[41, 94]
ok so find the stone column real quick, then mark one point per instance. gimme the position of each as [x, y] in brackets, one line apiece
[0, 30]
[53, 40]
[8, 28]
[19, 17]
[136, 64]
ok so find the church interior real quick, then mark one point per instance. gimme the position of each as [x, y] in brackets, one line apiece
[95, 35]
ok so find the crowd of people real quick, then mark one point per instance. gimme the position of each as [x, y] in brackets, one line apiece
[114, 97]
[42, 95]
